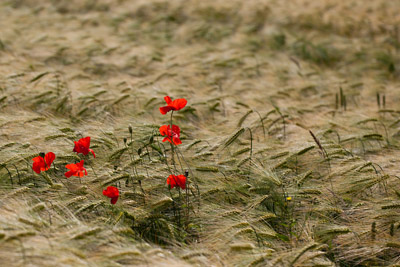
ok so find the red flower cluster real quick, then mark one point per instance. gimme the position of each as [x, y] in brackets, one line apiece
[82, 146]
[173, 135]
[76, 169]
[43, 163]
[40, 164]
[177, 180]
[177, 104]
[113, 193]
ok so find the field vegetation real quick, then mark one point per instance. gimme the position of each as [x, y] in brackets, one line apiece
[290, 138]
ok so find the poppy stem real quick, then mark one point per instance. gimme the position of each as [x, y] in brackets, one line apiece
[172, 145]
[193, 179]
[173, 201]
[179, 206]
[180, 163]
[164, 156]
[187, 197]
[190, 170]
[131, 156]
[91, 166]
[186, 175]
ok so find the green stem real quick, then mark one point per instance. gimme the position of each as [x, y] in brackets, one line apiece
[172, 145]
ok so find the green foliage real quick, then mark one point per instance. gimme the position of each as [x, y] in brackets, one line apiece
[259, 78]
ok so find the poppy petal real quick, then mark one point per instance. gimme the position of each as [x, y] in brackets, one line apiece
[81, 148]
[178, 104]
[85, 141]
[80, 164]
[49, 158]
[167, 99]
[69, 173]
[91, 151]
[72, 167]
[114, 200]
[171, 181]
[36, 167]
[176, 129]
[177, 141]
[76, 147]
[164, 130]
[182, 181]
[165, 109]
[38, 159]
[112, 192]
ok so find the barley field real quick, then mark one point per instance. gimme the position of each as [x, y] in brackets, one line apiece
[290, 136]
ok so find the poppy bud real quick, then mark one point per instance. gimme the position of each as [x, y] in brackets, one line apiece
[42, 154]
[186, 173]
[151, 139]
[125, 140]
[139, 151]
[130, 129]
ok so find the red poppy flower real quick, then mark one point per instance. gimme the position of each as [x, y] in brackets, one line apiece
[76, 169]
[172, 136]
[40, 164]
[177, 104]
[113, 193]
[82, 146]
[179, 180]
